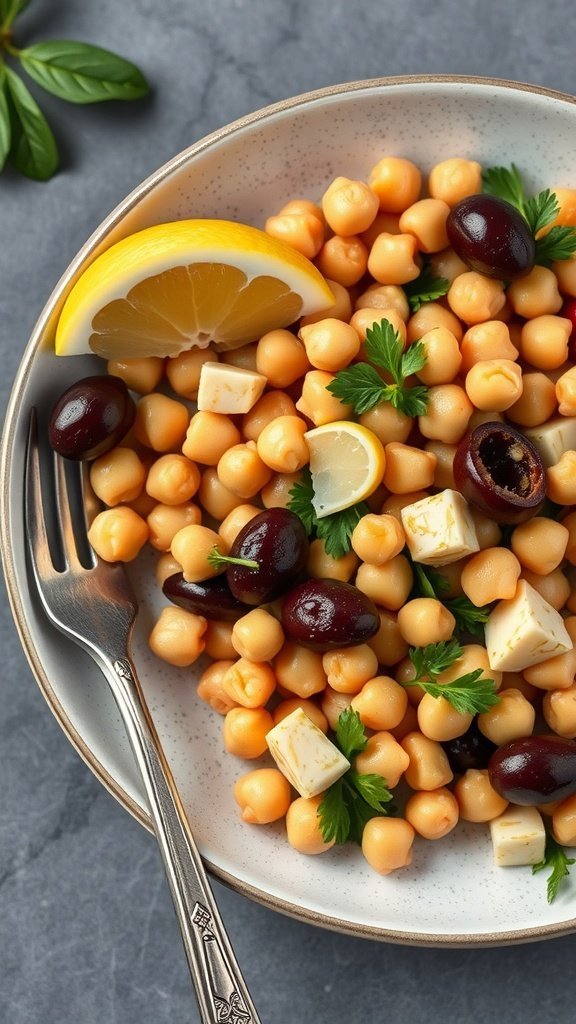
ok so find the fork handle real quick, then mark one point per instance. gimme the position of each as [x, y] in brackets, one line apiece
[220, 988]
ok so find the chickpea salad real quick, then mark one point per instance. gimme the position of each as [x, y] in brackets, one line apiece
[350, 437]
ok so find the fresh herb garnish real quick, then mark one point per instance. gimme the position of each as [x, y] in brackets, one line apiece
[219, 561]
[559, 243]
[554, 858]
[469, 619]
[426, 288]
[468, 694]
[362, 387]
[355, 798]
[336, 529]
[72, 71]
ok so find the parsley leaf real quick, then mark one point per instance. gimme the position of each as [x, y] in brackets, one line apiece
[468, 694]
[469, 618]
[300, 500]
[333, 814]
[506, 183]
[541, 210]
[555, 858]
[350, 733]
[426, 288]
[362, 387]
[429, 583]
[434, 658]
[335, 530]
[372, 788]
[558, 244]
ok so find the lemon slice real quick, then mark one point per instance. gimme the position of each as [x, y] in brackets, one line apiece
[347, 463]
[187, 283]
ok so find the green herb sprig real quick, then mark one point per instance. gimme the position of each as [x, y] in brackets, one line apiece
[468, 694]
[336, 529]
[72, 71]
[355, 798]
[425, 288]
[219, 561]
[559, 863]
[469, 619]
[361, 385]
[559, 243]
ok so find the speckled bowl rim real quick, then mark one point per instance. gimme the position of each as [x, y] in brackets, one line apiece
[399, 937]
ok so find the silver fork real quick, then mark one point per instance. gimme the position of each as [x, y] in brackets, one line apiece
[92, 602]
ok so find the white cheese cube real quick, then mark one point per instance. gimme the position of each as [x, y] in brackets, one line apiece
[228, 389]
[524, 631]
[553, 438]
[439, 529]
[518, 837]
[307, 758]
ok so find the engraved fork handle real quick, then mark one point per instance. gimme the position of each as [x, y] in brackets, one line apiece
[223, 997]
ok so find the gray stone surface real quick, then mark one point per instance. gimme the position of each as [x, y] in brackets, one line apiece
[87, 933]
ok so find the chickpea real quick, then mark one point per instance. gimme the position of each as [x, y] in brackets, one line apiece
[565, 273]
[383, 756]
[429, 317]
[479, 416]
[511, 719]
[245, 731]
[316, 402]
[426, 220]
[242, 471]
[172, 480]
[396, 502]
[191, 547]
[388, 423]
[490, 575]
[118, 476]
[209, 435]
[536, 404]
[554, 587]
[477, 799]
[269, 407]
[299, 670]
[429, 767]
[211, 690]
[407, 468]
[178, 636]
[393, 259]
[322, 566]
[341, 308]
[381, 703]
[559, 711]
[561, 480]
[243, 357]
[443, 358]
[143, 504]
[473, 657]
[494, 384]
[488, 340]
[314, 713]
[263, 795]
[118, 534]
[454, 179]
[544, 341]
[302, 231]
[218, 639]
[388, 643]
[160, 422]
[164, 521]
[257, 636]
[433, 815]
[535, 294]
[447, 264]
[389, 584]
[384, 296]
[516, 681]
[330, 344]
[214, 497]
[475, 298]
[540, 544]
[235, 521]
[447, 415]
[303, 206]
[364, 320]
[439, 720]
[451, 574]
[444, 455]
[397, 183]
[141, 375]
[276, 493]
[249, 683]
[408, 724]
[377, 539]
[333, 704]
[387, 844]
[343, 259]
[166, 566]
[281, 357]
[349, 668]
[183, 371]
[389, 222]
[424, 620]
[488, 533]
[564, 822]
[281, 445]
[303, 826]
[565, 393]
[349, 206]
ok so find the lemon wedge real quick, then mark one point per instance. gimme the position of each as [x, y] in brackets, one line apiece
[187, 283]
[347, 463]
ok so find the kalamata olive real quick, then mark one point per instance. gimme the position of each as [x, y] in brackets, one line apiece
[472, 750]
[91, 417]
[212, 598]
[277, 541]
[500, 472]
[492, 237]
[323, 614]
[534, 770]
[569, 312]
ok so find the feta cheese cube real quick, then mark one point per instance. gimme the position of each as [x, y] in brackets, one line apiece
[307, 758]
[439, 529]
[518, 837]
[553, 438]
[524, 631]
[228, 389]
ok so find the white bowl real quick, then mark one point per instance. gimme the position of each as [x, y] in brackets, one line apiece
[452, 894]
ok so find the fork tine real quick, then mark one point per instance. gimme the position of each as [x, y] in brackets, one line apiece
[63, 509]
[34, 511]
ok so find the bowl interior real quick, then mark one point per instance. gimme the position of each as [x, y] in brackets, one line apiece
[452, 893]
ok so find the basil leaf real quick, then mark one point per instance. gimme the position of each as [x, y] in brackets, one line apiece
[81, 73]
[33, 148]
[5, 125]
[10, 9]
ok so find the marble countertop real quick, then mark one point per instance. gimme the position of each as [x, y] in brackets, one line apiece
[87, 931]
